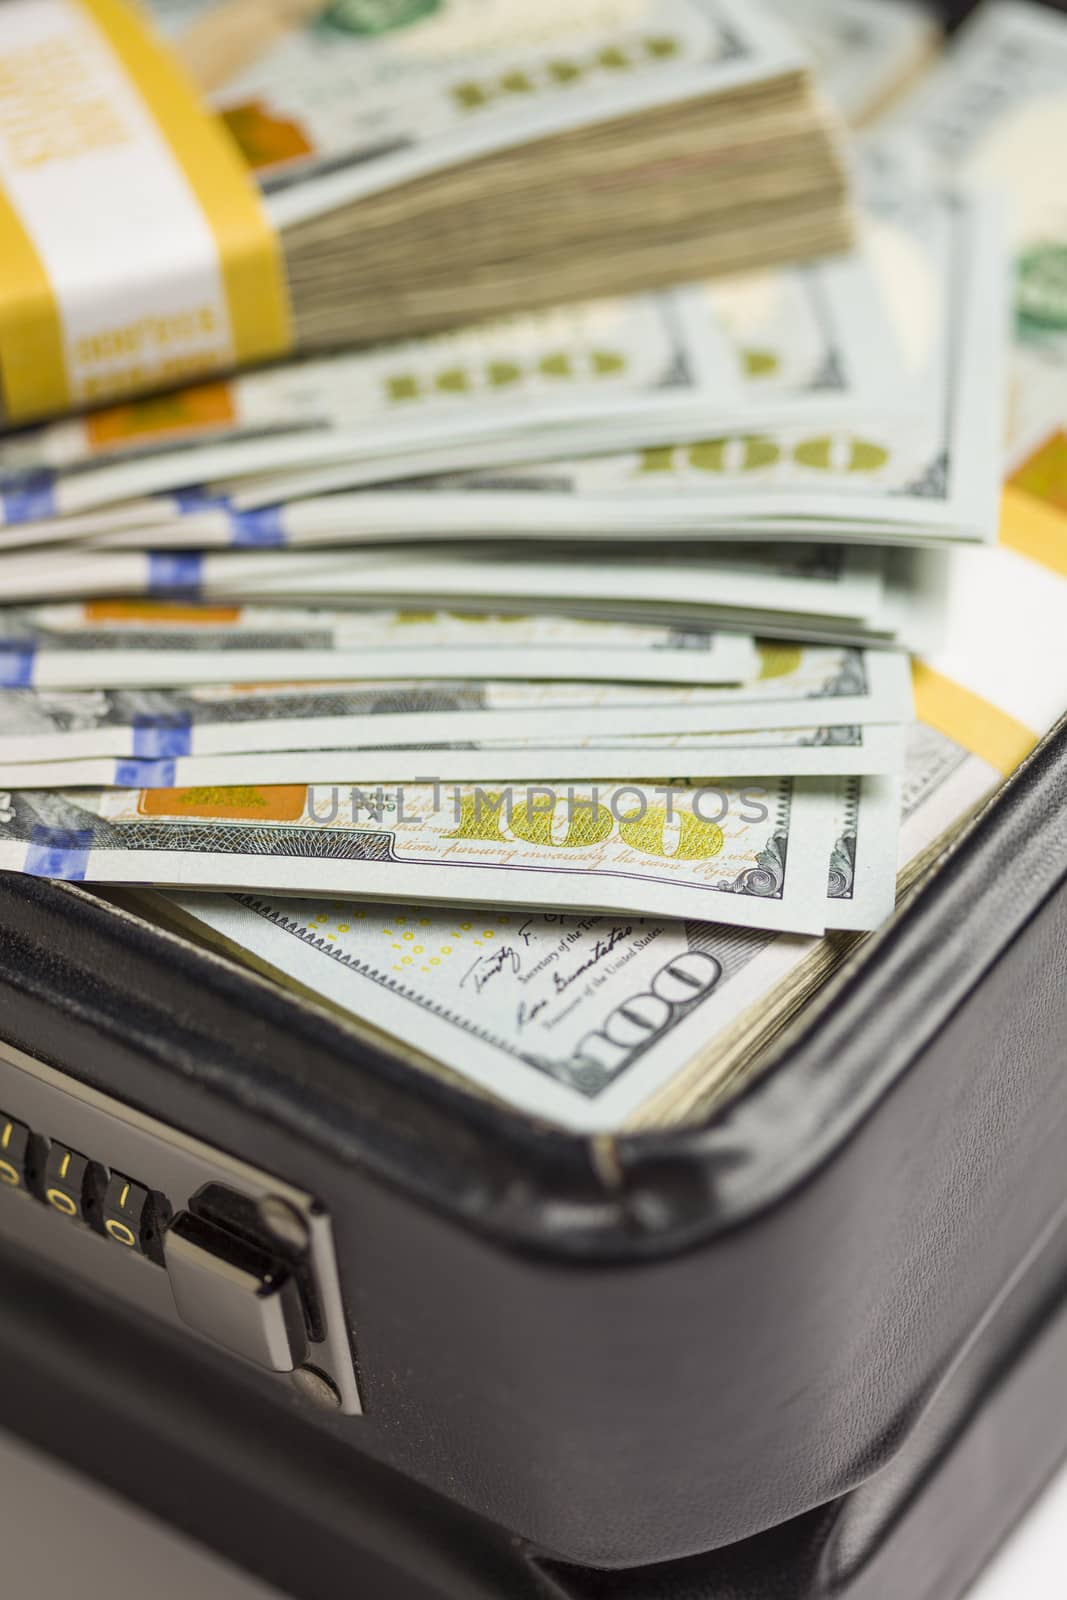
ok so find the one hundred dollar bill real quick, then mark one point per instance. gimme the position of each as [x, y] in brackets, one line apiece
[866, 51]
[574, 1019]
[825, 593]
[995, 114]
[823, 751]
[862, 882]
[928, 474]
[793, 579]
[752, 854]
[802, 341]
[124, 644]
[798, 579]
[360, 99]
[796, 687]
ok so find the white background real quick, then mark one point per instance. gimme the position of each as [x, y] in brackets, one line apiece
[61, 1537]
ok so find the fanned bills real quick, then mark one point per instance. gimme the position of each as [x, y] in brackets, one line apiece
[363, 732]
[849, 749]
[796, 687]
[549, 677]
[993, 117]
[125, 643]
[792, 341]
[928, 473]
[818, 593]
[574, 1018]
[753, 854]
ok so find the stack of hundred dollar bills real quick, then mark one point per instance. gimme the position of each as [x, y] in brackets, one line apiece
[562, 696]
[426, 163]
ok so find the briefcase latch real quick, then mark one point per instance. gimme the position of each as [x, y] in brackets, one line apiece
[236, 1293]
[178, 1229]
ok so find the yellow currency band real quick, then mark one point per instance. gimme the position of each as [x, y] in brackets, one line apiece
[1034, 529]
[33, 372]
[970, 720]
[33, 376]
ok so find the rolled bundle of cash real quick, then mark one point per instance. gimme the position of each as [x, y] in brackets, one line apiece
[422, 163]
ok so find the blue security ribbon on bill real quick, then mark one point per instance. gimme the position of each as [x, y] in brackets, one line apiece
[159, 737]
[171, 572]
[16, 665]
[29, 497]
[59, 853]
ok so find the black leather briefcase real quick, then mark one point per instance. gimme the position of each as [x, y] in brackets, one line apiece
[812, 1349]
[803, 1350]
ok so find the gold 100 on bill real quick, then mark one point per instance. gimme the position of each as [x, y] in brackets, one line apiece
[754, 854]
